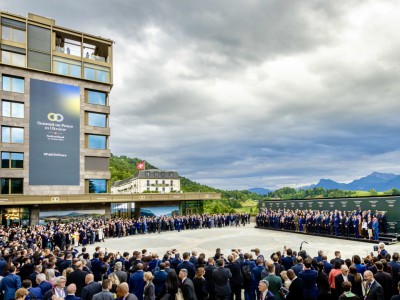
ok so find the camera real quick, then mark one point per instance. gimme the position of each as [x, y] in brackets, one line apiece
[375, 247]
[283, 291]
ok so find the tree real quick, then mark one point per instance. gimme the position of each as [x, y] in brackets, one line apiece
[373, 192]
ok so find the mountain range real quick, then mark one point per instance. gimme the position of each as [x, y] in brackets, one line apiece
[379, 182]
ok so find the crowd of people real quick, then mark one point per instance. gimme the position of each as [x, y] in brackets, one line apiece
[357, 223]
[72, 275]
[86, 232]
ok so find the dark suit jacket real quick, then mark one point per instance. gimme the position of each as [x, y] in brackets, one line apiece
[71, 297]
[10, 284]
[296, 290]
[375, 292]
[89, 290]
[189, 267]
[136, 284]
[209, 278]
[77, 277]
[309, 280]
[149, 292]
[385, 280]
[237, 278]
[339, 280]
[45, 286]
[159, 280]
[221, 278]
[188, 290]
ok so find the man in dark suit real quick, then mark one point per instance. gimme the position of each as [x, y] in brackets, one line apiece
[345, 276]
[186, 264]
[123, 292]
[66, 263]
[395, 271]
[221, 278]
[246, 268]
[296, 288]
[71, 290]
[91, 287]
[397, 297]
[298, 266]
[264, 293]
[373, 290]
[159, 279]
[105, 293]
[78, 278]
[10, 284]
[309, 278]
[136, 282]
[237, 279]
[384, 279]
[327, 265]
[122, 275]
[43, 283]
[186, 286]
[287, 261]
[256, 276]
[209, 277]
[338, 257]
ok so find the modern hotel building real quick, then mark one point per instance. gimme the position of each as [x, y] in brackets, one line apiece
[54, 127]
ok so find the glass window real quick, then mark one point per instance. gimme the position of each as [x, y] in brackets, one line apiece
[89, 74]
[12, 186]
[5, 159]
[162, 174]
[13, 84]
[12, 109]
[148, 183]
[99, 120]
[155, 174]
[12, 58]
[102, 76]
[147, 174]
[97, 73]
[61, 68]
[95, 97]
[13, 34]
[97, 141]
[97, 186]
[66, 67]
[12, 160]
[12, 134]
[75, 70]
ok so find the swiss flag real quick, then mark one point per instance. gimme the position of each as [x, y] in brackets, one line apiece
[140, 165]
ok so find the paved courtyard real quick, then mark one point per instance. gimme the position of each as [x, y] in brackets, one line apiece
[245, 238]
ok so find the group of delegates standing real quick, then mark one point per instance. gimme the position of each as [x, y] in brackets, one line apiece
[356, 223]
[67, 274]
[55, 234]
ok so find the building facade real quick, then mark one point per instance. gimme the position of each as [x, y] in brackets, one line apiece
[54, 118]
[148, 181]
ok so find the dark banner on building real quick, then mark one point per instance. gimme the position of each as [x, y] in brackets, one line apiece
[390, 205]
[54, 133]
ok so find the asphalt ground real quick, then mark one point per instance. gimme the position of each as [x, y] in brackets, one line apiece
[228, 238]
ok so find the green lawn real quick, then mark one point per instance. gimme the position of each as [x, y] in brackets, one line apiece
[247, 205]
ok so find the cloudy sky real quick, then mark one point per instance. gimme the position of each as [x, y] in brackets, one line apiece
[241, 94]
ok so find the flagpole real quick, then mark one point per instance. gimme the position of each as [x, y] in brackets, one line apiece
[144, 165]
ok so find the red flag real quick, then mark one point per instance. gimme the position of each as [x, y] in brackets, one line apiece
[140, 165]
